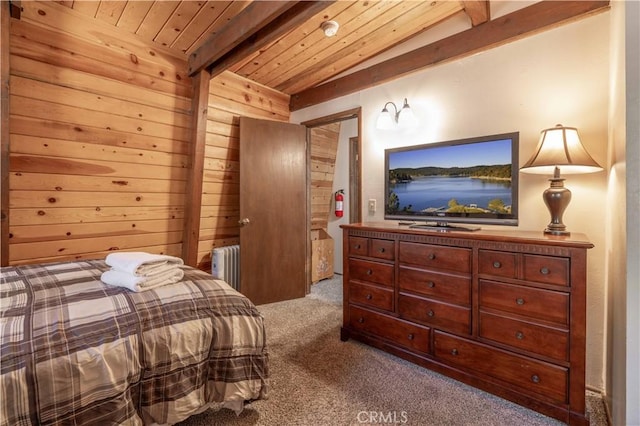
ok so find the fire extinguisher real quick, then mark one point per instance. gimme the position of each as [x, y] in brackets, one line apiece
[339, 203]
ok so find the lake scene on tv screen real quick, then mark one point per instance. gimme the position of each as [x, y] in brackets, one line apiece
[466, 179]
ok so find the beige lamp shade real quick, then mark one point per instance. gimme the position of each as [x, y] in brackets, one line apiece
[560, 147]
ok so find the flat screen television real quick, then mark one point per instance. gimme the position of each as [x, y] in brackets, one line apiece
[448, 184]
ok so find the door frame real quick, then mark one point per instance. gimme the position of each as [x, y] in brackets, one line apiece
[321, 121]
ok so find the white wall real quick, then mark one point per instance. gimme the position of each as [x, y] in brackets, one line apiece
[558, 76]
[348, 129]
[632, 326]
[623, 230]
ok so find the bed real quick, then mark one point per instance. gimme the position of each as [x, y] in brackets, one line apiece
[77, 351]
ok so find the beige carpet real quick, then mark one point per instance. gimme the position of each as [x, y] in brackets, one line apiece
[316, 379]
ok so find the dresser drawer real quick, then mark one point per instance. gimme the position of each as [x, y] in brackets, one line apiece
[547, 341]
[402, 333]
[436, 314]
[497, 263]
[364, 270]
[545, 379]
[435, 257]
[382, 249]
[358, 246]
[443, 286]
[546, 269]
[546, 305]
[374, 296]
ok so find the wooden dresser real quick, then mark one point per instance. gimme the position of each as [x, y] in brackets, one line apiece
[503, 311]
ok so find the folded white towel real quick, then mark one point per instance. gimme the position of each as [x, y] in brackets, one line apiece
[137, 283]
[141, 263]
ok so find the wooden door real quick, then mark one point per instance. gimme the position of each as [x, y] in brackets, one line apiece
[273, 210]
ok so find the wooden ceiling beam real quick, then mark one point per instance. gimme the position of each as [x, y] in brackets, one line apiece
[243, 26]
[283, 24]
[477, 11]
[529, 20]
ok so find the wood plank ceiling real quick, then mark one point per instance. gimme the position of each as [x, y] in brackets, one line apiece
[281, 44]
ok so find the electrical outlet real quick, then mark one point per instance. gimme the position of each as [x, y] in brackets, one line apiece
[372, 205]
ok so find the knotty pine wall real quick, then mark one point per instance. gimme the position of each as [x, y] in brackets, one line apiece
[99, 135]
[230, 97]
[324, 148]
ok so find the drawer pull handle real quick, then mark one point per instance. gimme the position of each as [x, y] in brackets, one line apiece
[431, 284]
[410, 336]
[431, 256]
[381, 249]
[520, 301]
[357, 246]
[519, 335]
[454, 352]
[431, 313]
[369, 272]
[535, 378]
[361, 320]
[369, 297]
[497, 264]
[544, 271]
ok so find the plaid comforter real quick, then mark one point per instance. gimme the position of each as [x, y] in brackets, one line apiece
[77, 351]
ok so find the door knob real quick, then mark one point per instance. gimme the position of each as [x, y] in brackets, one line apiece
[244, 221]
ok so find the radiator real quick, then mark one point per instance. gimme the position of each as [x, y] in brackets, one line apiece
[225, 264]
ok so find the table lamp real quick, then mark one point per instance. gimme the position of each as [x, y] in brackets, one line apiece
[559, 148]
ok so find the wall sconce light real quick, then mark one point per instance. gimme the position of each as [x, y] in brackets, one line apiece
[403, 118]
[559, 146]
[330, 28]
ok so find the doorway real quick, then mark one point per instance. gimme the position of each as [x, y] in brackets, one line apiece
[348, 170]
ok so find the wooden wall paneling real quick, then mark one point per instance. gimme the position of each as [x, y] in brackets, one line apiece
[54, 215]
[234, 87]
[36, 108]
[44, 164]
[80, 150]
[72, 231]
[57, 182]
[230, 96]
[81, 99]
[78, 132]
[82, 56]
[4, 132]
[324, 149]
[193, 200]
[101, 158]
[34, 70]
[106, 41]
[70, 248]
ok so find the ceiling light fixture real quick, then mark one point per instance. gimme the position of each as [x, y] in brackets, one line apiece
[403, 118]
[330, 28]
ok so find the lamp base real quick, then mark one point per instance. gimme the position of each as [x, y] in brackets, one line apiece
[548, 231]
[557, 198]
